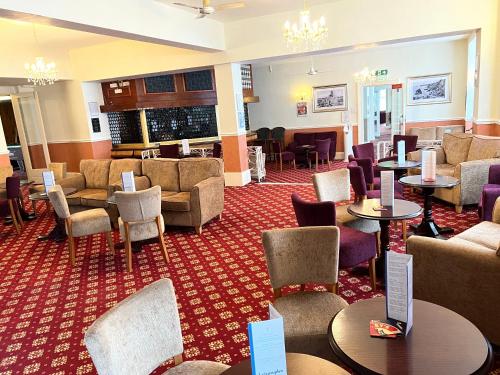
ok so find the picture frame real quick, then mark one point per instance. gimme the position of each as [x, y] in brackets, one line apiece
[430, 89]
[330, 98]
[301, 109]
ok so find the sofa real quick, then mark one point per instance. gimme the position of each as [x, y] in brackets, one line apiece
[433, 133]
[467, 157]
[301, 139]
[462, 273]
[192, 188]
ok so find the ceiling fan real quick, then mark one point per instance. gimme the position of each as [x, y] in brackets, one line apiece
[206, 9]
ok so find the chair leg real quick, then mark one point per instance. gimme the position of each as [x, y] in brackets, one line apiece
[294, 165]
[316, 161]
[71, 242]
[14, 217]
[281, 163]
[377, 240]
[333, 288]
[220, 216]
[373, 274]
[19, 217]
[198, 229]
[458, 209]
[403, 223]
[109, 238]
[128, 247]
[162, 241]
[33, 204]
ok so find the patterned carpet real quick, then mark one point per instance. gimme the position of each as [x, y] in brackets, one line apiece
[220, 278]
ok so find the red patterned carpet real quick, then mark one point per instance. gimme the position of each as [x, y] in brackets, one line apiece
[220, 278]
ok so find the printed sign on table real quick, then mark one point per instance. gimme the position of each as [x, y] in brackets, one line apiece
[399, 290]
[401, 152]
[48, 180]
[128, 182]
[387, 188]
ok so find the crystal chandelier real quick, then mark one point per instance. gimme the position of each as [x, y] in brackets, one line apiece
[41, 73]
[306, 35]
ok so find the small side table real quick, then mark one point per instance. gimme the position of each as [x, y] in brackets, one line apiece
[427, 226]
[399, 169]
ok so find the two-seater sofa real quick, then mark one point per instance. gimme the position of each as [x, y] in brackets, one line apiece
[192, 188]
[466, 157]
[301, 139]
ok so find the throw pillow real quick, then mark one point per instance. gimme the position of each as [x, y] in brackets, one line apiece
[483, 147]
[456, 147]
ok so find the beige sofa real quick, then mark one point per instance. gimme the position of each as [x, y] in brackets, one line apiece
[192, 188]
[432, 133]
[462, 273]
[467, 157]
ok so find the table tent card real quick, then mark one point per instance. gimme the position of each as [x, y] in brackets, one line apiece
[429, 165]
[387, 188]
[48, 180]
[399, 290]
[267, 345]
[401, 152]
[185, 147]
[128, 182]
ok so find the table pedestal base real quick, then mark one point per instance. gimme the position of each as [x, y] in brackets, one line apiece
[384, 246]
[427, 226]
[57, 234]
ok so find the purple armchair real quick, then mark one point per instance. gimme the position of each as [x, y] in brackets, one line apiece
[367, 151]
[490, 193]
[372, 182]
[217, 150]
[410, 143]
[282, 156]
[355, 246]
[9, 206]
[321, 152]
[169, 151]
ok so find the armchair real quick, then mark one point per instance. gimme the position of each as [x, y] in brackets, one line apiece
[490, 193]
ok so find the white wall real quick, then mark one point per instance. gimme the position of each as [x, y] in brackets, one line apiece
[92, 92]
[280, 89]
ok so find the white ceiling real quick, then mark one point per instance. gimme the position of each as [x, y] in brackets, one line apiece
[253, 8]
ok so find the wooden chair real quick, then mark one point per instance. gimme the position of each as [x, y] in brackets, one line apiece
[80, 224]
[140, 219]
[282, 156]
[8, 202]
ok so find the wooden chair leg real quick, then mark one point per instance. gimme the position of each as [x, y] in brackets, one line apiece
[33, 204]
[71, 242]
[220, 216]
[294, 165]
[163, 248]
[333, 288]
[281, 163]
[178, 359]
[198, 229]
[128, 247]
[403, 223]
[316, 161]
[19, 217]
[373, 274]
[14, 216]
[109, 238]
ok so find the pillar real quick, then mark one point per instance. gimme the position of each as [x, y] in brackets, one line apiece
[4, 152]
[231, 119]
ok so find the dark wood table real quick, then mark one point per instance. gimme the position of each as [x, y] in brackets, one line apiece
[440, 342]
[427, 226]
[58, 233]
[402, 210]
[296, 364]
[306, 149]
[399, 169]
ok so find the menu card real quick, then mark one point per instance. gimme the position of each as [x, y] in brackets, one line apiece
[429, 165]
[401, 152]
[387, 188]
[399, 290]
[48, 180]
[267, 345]
[185, 147]
[128, 182]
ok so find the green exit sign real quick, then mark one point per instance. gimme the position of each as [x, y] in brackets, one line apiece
[381, 72]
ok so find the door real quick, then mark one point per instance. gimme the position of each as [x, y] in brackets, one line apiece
[369, 109]
[31, 131]
[397, 110]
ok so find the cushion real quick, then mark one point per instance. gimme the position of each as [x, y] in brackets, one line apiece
[96, 173]
[198, 368]
[98, 199]
[445, 169]
[456, 147]
[195, 170]
[89, 222]
[485, 233]
[123, 165]
[423, 133]
[355, 247]
[76, 198]
[176, 202]
[163, 172]
[304, 138]
[141, 231]
[442, 130]
[483, 147]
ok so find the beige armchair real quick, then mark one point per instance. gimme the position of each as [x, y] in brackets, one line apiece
[85, 223]
[462, 273]
[140, 333]
[301, 256]
[140, 219]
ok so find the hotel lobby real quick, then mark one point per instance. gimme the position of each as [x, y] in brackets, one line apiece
[179, 176]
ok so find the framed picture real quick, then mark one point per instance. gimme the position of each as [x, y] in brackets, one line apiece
[301, 109]
[330, 98]
[433, 89]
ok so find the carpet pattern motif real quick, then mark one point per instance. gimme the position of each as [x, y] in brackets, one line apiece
[220, 278]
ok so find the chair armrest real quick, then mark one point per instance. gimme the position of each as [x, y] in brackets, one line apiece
[76, 180]
[207, 199]
[473, 175]
[489, 198]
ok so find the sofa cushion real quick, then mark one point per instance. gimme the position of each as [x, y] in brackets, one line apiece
[485, 233]
[442, 130]
[445, 169]
[123, 165]
[96, 173]
[456, 147]
[423, 133]
[98, 199]
[195, 170]
[162, 172]
[90, 222]
[180, 202]
[483, 147]
[76, 198]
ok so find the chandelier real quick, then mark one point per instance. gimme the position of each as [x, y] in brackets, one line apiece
[306, 34]
[41, 73]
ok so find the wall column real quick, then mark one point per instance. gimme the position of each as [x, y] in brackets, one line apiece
[4, 152]
[231, 118]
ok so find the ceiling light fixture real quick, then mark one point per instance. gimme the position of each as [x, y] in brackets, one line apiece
[305, 35]
[40, 73]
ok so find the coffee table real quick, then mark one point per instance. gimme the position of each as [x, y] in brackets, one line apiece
[58, 233]
[296, 364]
[440, 342]
[427, 226]
[402, 210]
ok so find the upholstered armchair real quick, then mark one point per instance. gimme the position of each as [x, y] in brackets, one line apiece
[80, 224]
[282, 156]
[320, 153]
[169, 151]
[140, 333]
[8, 204]
[490, 193]
[301, 256]
[367, 151]
[410, 143]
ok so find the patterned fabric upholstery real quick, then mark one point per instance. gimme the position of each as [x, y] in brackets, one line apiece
[198, 368]
[58, 201]
[333, 185]
[88, 222]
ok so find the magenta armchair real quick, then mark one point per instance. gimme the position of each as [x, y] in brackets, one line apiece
[9, 206]
[490, 193]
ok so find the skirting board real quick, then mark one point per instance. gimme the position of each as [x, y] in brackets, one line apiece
[237, 178]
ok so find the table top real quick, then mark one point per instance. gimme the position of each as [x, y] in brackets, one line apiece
[441, 181]
[394, 165]
[306, 147]
[296, 364]
[440, 342]
[42, 196]
[21, 183]
[401, 210]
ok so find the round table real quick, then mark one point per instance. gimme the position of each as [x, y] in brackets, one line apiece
[296, 364]
[427, 226]
[402, 210]
[58, 233]
[440, 342]
[399, 169]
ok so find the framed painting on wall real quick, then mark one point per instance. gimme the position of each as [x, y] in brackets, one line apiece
[301, 109]
[433, 89]
[330, 98]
